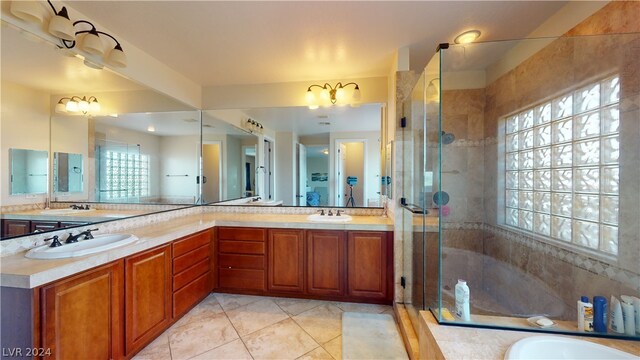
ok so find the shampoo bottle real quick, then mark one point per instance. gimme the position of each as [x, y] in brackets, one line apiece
[462, 301]
[585, 315]
[628, 315]
[617, 323]
[636, 311]
[599, 314]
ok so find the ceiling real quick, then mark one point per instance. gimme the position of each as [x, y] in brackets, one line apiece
[173, 123]
[246, 42]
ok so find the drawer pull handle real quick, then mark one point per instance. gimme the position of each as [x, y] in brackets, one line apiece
[229, 267]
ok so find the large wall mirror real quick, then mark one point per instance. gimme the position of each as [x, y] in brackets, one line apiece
[294, 156]
[141, 147]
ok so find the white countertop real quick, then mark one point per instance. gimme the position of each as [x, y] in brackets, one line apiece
[20, 272]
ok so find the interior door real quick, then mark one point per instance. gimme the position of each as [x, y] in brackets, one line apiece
[341, 165]
[268, 174]
[301, 195]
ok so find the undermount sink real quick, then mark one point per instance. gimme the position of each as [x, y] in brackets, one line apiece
[82, 247]
[63, 211]
[264, 202]
[329, 219]
[556, 347]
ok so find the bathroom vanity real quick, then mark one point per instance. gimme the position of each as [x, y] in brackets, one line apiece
[112, 304]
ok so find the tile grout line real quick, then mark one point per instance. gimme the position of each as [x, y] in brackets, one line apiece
[236, 330]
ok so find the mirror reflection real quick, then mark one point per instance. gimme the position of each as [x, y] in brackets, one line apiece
[67, 173]
[323, 157]
[28, 171]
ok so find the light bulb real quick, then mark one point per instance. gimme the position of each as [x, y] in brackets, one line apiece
[92, 44]
[60, 107]
[324, 94]
[313, 107]
[61, 27]
[83, 105]
[94, 106]
[467, 37]
[340, 94]
[72, 106]
[356, 94]
[310, 97]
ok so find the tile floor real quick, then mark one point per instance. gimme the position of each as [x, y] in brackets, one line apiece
[227, 326]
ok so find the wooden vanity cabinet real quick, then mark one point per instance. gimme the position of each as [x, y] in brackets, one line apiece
[241, 259]
[192, 277]
[15, 227]
[148, 296]
[81, 317]
[326, 260]
[285, 260]
[370, 268]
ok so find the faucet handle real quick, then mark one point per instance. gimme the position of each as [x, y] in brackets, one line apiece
[87, 233]
[56, 241]
[330, 213]
[72, 238]
[338, 212]
[321, 211]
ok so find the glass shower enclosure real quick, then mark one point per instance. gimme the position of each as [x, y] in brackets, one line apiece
[522, 177]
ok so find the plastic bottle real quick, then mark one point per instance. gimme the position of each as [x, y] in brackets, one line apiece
[462, 301]
[599, 314]
[585, 315]
[636, 311]
[617, 322]
[628, 314]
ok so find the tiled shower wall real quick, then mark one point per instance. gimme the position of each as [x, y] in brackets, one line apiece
[470, 166]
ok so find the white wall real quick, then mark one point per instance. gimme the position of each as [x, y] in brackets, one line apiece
[179, 156]
[355, 167]
[235, 182]
[70, 134]
[24, 124]
[285, 167]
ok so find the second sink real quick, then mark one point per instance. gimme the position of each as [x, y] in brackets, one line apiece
[329, 219]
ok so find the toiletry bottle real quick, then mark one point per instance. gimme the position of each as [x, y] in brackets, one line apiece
[599, 314]
[617, 322]
[585, 315]
[628, 315]
[462, 301]
[636, 313]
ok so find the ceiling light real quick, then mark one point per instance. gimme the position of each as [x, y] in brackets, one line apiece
[330, 95]
[151, 128]
[76, 104]
[467, 37]
[113, 115]
[30, 11]
[61, 27]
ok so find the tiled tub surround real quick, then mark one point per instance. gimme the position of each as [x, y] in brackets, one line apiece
[453, 342]
[153, 230]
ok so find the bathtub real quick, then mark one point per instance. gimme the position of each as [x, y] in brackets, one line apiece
[496, 287]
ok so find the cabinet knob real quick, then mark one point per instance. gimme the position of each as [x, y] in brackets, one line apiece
[229, 267]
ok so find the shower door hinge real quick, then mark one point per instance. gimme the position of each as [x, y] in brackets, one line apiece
[403, 282]
[403, 122]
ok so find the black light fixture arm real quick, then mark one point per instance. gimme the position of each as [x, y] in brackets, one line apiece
[112, 38]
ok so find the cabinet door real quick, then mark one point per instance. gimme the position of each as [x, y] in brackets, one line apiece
[286, 260]
[15, 227]
[82, 315]
[367, 264]
[43, 225]
[325, 262]
[148, 296]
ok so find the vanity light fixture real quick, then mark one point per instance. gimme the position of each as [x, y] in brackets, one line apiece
[76, 104]
[253, 126]
[331, 94]
[467, 37]
[61, 26]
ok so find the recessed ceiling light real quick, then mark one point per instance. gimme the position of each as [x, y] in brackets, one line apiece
[113, 115]
[324, 123]
[467, 37]
[151, 128]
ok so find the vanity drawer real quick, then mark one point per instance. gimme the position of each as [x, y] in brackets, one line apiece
[191, 242]
[241, 261]
[181, 263]
[241, 247]
[238, 233]
[190, 274]
[191, 294]
[245, 279]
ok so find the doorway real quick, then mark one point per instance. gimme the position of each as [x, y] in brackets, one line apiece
[351, 165]
[268, 172]
[249, 171]
[211, 171]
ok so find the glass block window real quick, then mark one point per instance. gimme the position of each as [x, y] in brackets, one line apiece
[126, 175]
[562, 167]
